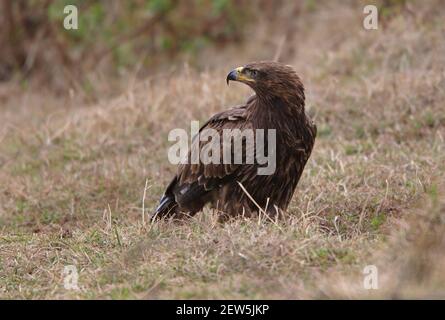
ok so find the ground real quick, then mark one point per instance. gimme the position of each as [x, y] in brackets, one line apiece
[80, 176]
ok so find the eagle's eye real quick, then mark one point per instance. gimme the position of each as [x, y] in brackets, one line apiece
[253, 73]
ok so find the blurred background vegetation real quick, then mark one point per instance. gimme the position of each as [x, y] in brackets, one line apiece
[115, 33]
[118, 36]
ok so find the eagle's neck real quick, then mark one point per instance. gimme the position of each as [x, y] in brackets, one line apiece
[270, 111]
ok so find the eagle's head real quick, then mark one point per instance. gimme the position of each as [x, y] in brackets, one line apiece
[270, 80]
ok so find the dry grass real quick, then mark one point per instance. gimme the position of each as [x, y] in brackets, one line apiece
[73, 176]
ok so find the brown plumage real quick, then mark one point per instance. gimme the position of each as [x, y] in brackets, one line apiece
[278, 104]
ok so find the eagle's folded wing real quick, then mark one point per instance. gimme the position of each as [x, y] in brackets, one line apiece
[211, 175]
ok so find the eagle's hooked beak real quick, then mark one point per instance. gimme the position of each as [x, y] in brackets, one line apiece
[237, 75]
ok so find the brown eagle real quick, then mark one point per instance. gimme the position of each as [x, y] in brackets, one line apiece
[238, 188]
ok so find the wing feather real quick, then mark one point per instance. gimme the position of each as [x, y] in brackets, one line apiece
[213, 174]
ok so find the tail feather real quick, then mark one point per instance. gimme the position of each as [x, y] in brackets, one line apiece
[184, 199]
[167, 206]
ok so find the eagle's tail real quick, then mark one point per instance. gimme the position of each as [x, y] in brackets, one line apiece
[167, 206]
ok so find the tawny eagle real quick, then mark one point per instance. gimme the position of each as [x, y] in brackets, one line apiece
[238, 188]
